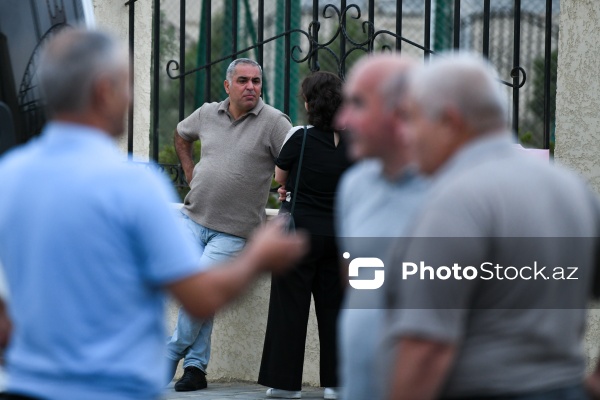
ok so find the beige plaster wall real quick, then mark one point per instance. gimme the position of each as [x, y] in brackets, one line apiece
[591, 343]
[238, 334]
[578, 112]
[578, 89]
[113, 16]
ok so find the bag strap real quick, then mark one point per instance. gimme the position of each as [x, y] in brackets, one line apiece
[295, 192]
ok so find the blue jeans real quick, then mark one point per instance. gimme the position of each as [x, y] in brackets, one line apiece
[191, 338]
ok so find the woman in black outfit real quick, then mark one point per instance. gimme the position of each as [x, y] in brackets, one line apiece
[323, 162]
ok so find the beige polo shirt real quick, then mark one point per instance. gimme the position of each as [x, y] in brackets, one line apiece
[230, 185]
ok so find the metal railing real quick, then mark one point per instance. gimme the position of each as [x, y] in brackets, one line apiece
[308, 43]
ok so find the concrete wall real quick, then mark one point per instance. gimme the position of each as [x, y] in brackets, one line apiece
[578, 89]
[238, 335]
[578, 111]
[113, 16]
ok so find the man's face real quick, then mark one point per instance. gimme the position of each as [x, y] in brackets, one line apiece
[245, 87]
[365, 117]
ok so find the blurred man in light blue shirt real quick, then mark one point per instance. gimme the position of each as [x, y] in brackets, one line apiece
[376, 199]
[89, 242]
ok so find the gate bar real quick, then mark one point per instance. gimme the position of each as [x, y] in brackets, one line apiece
[371, 23]
[456, 24]
[234, 27]
[399, 25]
[547, 75]
[486, 28]
[261, 33]
[427, 33]
[315, 34]
[286, 79]
[343, 40]
[181, 58]
[516, 58]
[131, 77]
[156, 81]
[208, 50]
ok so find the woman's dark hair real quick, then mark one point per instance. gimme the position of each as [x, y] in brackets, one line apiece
[323, 93]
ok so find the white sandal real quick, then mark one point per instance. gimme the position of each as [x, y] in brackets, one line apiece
[283, 394]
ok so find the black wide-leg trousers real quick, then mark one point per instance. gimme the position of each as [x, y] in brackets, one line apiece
[283, 354]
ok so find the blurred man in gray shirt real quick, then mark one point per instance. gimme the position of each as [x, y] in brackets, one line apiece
[473, 312]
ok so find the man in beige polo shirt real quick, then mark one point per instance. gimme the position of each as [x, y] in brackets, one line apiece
[240, 137]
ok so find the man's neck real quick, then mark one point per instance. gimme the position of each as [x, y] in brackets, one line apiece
[82, 119]
[235, 113]
[394, 165]
[395, 160]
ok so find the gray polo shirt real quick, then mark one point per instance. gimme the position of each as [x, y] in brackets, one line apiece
[230, 185]
[491, 203]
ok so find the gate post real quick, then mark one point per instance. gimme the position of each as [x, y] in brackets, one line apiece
[578, 89]
[577, 116]
[114, 17]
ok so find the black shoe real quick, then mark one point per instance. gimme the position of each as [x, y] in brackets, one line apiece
[193, 379]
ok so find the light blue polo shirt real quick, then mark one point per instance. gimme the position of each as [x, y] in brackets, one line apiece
[371, 212]
[87, 241]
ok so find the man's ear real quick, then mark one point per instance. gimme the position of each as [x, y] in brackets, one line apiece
[102, 92]
[454, 120]
[226, 85]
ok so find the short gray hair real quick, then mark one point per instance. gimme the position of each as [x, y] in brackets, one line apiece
[72, 62]
[395, 89]
[234, 64]
[466, 82]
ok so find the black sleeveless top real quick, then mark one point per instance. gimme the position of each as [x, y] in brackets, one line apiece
[323, 164]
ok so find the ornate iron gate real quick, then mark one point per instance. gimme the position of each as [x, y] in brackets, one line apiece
[520, 38]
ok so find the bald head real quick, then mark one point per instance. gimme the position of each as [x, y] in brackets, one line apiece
[377, 71]
[369, 106]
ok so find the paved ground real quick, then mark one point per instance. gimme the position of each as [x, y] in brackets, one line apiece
[234, 390]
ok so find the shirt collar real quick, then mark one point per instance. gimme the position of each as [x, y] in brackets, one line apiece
[59, 132]
[408, 173]
[224, 107]
[477, 151]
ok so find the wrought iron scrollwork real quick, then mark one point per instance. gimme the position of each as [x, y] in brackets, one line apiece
[315, 46]
[331, 11]
[30, 99]
[173, 171]
[173, 65]
[514, 73]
